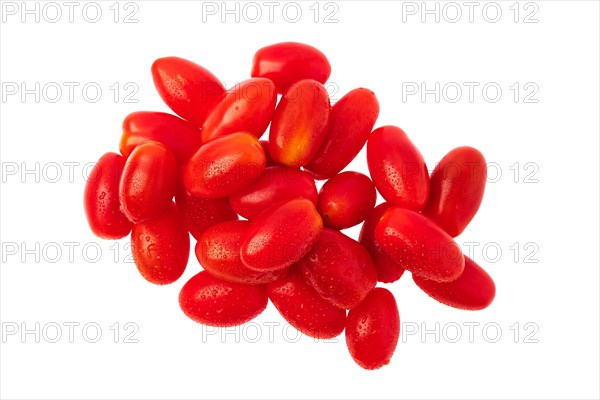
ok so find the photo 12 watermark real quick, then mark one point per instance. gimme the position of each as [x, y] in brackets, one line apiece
[470, 332]
[470, 92]
[453, 12]
[69, 332]
[69, 92]
[253, 12]
[56, 12]
[67, 252]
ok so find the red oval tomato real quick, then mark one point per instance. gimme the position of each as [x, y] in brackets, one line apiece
[457, 186]
[213, 301]
[281, 235]
[289, 62]
[218, 251]
[387, 269]
[339, 269]
[161, 247]
[350, 122]
[101, 198]
[419, 245]
[190, 90]
[199, 214]
[305, 309]
[176, 134]
[276, 184]
[473, 290]
[224, 166]
[148, 182]
[299, 124]
[346, 200]
[247, 107]
[397, 168]
[373, 329]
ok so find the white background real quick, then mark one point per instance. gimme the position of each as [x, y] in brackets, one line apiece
[550, 208]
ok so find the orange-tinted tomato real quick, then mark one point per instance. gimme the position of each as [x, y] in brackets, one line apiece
[213, 301]
[372, 329]
[339, 269]
[350, 122]
[200, 214]
[190, 90]
[148, 182]
[387, 269]
[457, 186]
[101, 198]
[247, 107]
[289, 62]
[346, 200]
[419, 245]
[276, 184]
[473, 290]
[397, 168]
[281, 235]
[178, 135]
[161, 247]
[218, 251]
[224, 166]
[305, 309]
[299, 124]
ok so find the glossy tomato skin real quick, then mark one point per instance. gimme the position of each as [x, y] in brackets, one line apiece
[148, 182]
[346, 200]
[178, 135]
[190, 90]
[397, 168]
[457, 186]
[199, 214]
[101, 198]
[281, 235]
[247, 107]
[218, 251]
[161, 247]
[289, 62]
[339, 269]
[212, 301]
[419, 245]
[304, 308]
[224, 166]
[299, 124]
[473, 290]
[373, 329]
[350, 123]
[275, 185]
[387, 269]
